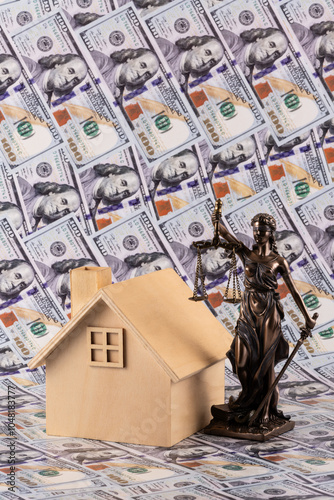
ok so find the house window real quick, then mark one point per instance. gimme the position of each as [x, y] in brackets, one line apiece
[105, 346]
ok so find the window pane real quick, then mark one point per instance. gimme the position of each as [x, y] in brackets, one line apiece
[97, 338]
[112, 338]
[112, 357]
[97, 355]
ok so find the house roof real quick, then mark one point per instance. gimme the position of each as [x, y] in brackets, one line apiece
[183, 336]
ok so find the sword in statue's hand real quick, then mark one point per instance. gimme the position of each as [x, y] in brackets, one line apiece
[304, 333]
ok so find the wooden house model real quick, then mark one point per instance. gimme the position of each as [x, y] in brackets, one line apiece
[137, 363]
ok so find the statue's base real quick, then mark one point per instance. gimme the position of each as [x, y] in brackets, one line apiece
[223, 425]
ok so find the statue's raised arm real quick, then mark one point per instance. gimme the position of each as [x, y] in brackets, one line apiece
[222, 231]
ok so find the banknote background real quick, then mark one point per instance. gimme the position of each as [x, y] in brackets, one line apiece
[120, 124]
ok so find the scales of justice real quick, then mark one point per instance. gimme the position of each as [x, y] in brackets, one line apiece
[258, 344]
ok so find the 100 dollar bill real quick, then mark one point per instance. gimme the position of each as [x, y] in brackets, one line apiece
[322, 340]
[59, 472]
[49, 189]
[270, 60]
[80, 13]
[28, 310]
[297, 168]
[311, 435]
[10, 202]
[134, 246]
[285, 486]
[323, 365]
[15, 14]
[58, 248]
[303, 385]
[144, 8]
[176, 181]
[140, 83]
[67, 79]
[26, 127]
[316, 214]
[237, 172]
[201, 63]
[312, 24]
[193, 223]
[22, 397]
[113, 187]
[326, 134]
[215, 463]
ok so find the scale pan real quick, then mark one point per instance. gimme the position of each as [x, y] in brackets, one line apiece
[232, 301]
[200, 297]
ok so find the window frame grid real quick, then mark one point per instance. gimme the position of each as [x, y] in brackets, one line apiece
[105, 347]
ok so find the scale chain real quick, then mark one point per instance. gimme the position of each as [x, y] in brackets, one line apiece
[235, 281]
[199, 276]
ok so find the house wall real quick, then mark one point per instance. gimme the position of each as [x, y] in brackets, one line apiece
[130, 404]
[192, 398]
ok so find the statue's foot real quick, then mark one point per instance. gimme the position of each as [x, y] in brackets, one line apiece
[264, 420]
[264, 424]
[233, 403]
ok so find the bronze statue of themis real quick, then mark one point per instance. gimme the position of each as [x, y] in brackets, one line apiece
[258, 344]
